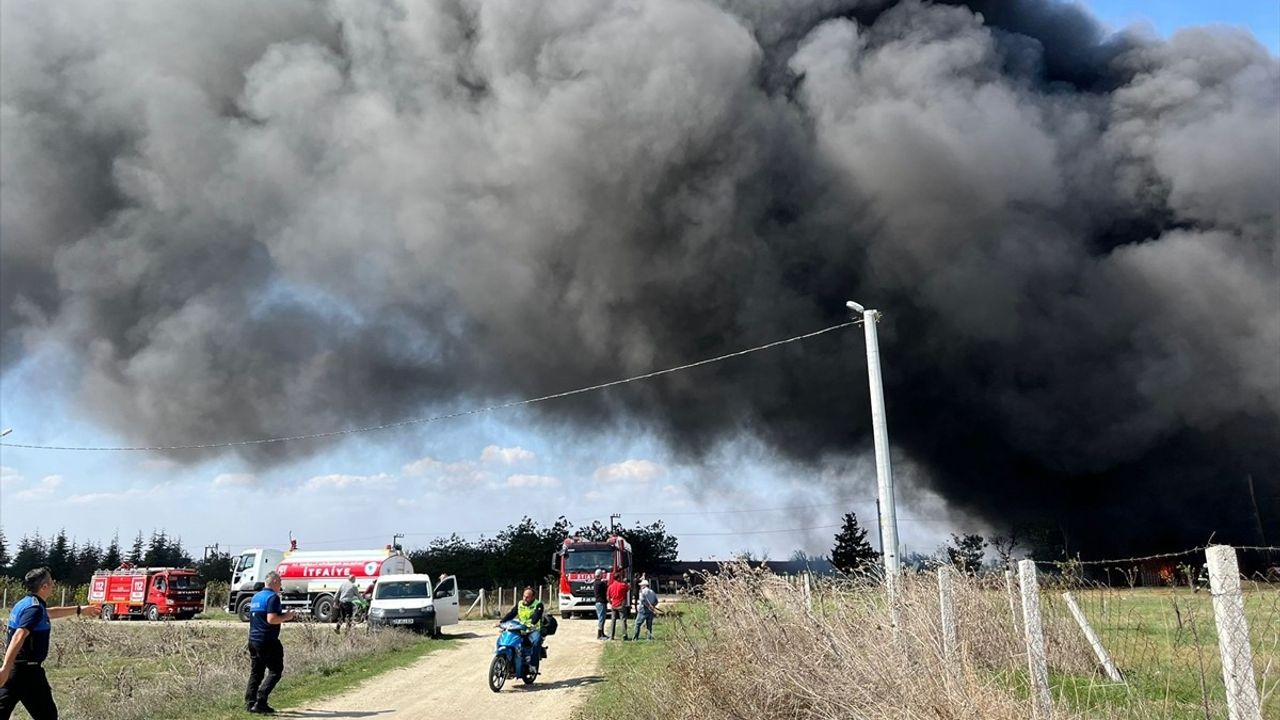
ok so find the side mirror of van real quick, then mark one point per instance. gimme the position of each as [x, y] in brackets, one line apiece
[555, 562]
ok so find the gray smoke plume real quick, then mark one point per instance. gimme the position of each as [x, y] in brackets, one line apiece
[246, 219]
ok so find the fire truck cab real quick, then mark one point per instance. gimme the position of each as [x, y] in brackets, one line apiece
[151, 593]
[576, 562]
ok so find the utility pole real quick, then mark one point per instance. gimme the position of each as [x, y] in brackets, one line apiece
[207, 548]
[395, 544]
[613, 523]
[880, 434]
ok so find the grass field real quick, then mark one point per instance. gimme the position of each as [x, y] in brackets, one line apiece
[196, 671]
[1165, 643]
[838, 659]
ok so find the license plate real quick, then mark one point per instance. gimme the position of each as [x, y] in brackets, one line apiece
[402, 621]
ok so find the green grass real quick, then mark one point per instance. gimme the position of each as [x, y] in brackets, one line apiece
[1165, 643]
[629, 666]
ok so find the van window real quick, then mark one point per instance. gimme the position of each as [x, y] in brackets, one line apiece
[401, 589]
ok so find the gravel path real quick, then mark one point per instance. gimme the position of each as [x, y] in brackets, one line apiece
[453, 683]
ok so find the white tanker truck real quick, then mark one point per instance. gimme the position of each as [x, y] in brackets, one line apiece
[309, 578]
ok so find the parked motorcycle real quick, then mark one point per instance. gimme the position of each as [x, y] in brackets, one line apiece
[513, 656]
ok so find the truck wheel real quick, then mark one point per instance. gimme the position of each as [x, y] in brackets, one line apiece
[242, 609]
[108, 613]
[151, 612]
[324, 608]
[566, 615]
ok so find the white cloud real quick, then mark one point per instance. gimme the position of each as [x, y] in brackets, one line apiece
[46, 487]
[90, 498]
[235, 480]
[629, 471]
[532, 481]
[506, 456]
[9, 477]
[448, 476]
[343, 482]
[424, 466]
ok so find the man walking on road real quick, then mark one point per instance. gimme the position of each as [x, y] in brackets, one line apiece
[22, 678]
[346, 603]
[602, 603]
[648, 608]
[265, 651]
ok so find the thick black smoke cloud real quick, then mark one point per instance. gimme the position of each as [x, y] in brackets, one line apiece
[246, 219]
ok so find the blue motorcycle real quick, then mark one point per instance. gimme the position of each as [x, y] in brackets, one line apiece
[513, 656]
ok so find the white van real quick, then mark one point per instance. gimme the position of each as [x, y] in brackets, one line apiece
[411, 602]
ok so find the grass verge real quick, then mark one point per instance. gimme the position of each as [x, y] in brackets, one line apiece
[628, 666]
[127, 671]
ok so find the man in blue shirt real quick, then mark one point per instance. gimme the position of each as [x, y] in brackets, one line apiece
[22, 678]
[266, 654]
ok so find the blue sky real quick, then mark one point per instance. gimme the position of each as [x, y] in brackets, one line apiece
[1261, 17]
[474, 475]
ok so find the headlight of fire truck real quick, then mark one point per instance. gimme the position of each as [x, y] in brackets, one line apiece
[376, 612]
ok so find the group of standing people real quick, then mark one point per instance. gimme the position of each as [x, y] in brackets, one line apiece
[611, 603]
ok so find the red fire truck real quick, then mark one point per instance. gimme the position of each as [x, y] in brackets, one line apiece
[151, 593]
[576, 563]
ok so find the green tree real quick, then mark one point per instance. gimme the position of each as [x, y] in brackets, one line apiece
[4, 555]
[111, 556]
[31, 555]
[966, 552]
[61, 558]
[87, 558]
[653, 549]
[217, 566]
[852, 553]
[136, 552]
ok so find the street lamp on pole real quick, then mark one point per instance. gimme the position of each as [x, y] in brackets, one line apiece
[5, 431]
[880, 435]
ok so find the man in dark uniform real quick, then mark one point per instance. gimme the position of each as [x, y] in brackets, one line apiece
[22, 678]
[266, 654]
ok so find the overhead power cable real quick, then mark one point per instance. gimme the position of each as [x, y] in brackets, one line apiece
[436, 418]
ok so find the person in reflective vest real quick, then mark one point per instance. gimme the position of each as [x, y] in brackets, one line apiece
[266, 653]
[529, 612]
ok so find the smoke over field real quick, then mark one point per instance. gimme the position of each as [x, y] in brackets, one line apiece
[246, 219]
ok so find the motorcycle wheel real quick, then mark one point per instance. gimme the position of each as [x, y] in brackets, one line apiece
[497, 673]
[528, 677]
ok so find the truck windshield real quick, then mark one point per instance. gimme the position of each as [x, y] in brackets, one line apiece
[185, 582]
[401, 589]
[246, 561]
[588, 560]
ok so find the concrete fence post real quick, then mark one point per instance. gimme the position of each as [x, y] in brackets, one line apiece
[1113, 673]
[1013, 601]
[1233, 634]
[1037, 664]
[483, 608]
[808, 593]
[5, 601]
[64, 597]
[946, 607]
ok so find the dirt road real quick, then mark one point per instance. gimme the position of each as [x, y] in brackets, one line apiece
[453, 683]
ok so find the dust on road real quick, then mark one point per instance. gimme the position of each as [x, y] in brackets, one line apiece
[453, 682]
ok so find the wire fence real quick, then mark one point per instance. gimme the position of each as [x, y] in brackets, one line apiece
[1050, 642]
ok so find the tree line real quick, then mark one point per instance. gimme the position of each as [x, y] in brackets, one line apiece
[519, 555]
[73, 562]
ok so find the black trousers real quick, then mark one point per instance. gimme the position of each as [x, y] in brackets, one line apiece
[344, 611]
[266, 658]
[29, 686]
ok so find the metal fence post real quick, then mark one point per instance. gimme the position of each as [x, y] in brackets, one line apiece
[1113, 673]
[1037, 665]
[1233, 634]
[946, 607]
